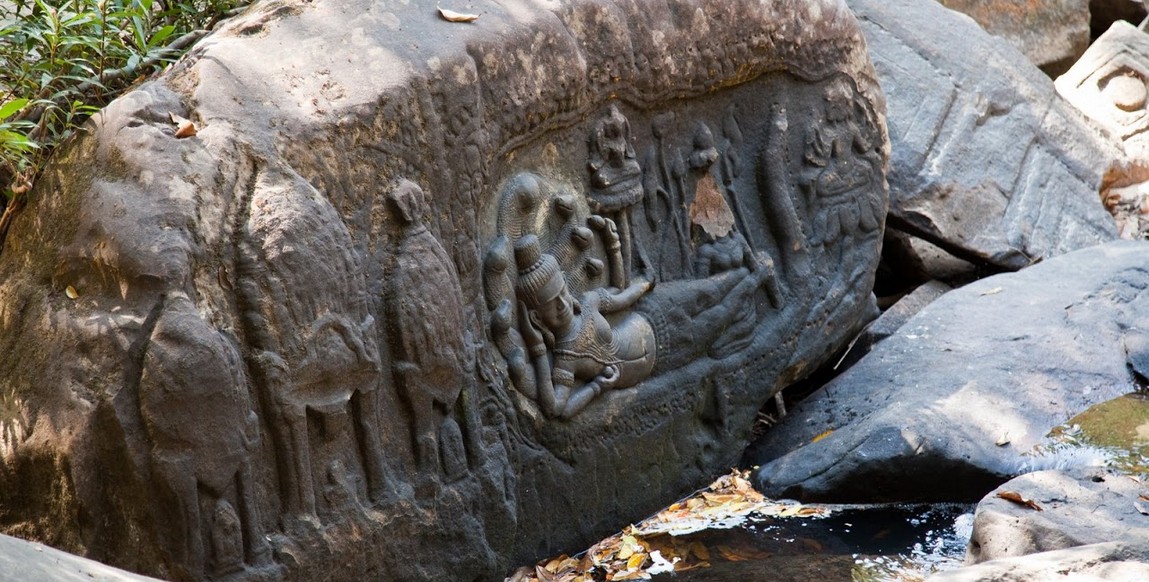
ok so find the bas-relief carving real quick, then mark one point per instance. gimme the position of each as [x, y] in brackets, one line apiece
[434, 355]
[203, 431]
[315, 356]
[583, 303]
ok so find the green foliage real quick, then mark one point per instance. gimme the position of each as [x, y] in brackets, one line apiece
[61, 60]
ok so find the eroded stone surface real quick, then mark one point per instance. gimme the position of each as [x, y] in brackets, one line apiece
[988, 162]
[21, 560]
[1052, 35]
[1109, 562]
[418, 291]
[1109, 84]
[956, 400]
[1076, 509]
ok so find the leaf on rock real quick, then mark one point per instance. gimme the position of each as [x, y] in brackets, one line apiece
[993, 291]
[184, 126]
[1141, 507]
[821, 436]
[1015, 497]
[71, 292]
[710, 210]
[452, 16]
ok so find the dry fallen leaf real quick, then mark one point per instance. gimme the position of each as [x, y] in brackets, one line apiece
[184, 126]
[993, 291]
[452, 16]
[1004, 440]
[1016, 497]
[710, 210]
[71, 292]
[821, 436]
[1141, 507]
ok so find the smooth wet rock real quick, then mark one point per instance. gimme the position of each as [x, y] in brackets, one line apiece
[988, 161]
[1103, 562]
[423, 300]
[1110, 84]
[952, 404]
[1052, 35]
[22, 561]
[1077, 509]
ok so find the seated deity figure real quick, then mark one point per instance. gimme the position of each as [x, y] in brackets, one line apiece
[576, 351]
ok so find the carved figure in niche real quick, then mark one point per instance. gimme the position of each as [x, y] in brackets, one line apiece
[615, 179]
[434, 355]
[304, 301]
[577, 353]
[198, 417]
[842, 159]
[581, 337]
[664, 173]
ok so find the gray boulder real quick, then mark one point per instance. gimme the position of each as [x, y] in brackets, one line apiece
[1051, 34]
[1104, 562]
[950, 406]
[1076, 509]
[22, 561]
[424, 299]
[988, 162]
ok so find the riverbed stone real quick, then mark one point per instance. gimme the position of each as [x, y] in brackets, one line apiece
[1077, 508]
[1051, 34]
[425, 299]
[988, 162]
[21, 560]
[954, 403]
[1103, 562]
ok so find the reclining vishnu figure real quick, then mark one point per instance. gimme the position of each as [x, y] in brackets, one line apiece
[587, 354]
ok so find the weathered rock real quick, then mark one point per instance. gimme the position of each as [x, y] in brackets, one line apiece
[987, 162]
[1108, 562]
[1051, 34]
[948, 407]
[389, 314]
[1075, 510]
[1109, 84]
[22, 561]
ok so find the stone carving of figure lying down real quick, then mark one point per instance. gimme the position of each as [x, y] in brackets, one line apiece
[587, 354]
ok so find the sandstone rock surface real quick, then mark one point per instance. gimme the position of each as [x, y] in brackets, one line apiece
[419, 291]
[988, 162]
[950, 406]
[1052, 35]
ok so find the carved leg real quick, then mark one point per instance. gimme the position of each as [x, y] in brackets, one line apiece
[364, 409]
[301, 486]
[181, 502]
[257, 550]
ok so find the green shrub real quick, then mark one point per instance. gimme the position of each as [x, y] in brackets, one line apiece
[61, 60]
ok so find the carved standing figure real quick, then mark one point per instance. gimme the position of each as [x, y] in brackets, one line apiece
[578, 353]
[304, 299]
[434, 356]
[199, 419]
[616, 179]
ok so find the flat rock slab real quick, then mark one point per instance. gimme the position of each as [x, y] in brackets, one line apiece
[23, 561]
[949, 406]
[423, 299]
[987, 162]
[1105, 562]
[1076, 509]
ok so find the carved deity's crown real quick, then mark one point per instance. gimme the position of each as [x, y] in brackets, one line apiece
[540, 278]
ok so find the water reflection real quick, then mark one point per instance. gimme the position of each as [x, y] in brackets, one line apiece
[859, 542]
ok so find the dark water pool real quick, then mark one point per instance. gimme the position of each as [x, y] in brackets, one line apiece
[863, 543]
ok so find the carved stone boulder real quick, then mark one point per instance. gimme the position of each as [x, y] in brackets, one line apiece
[419, 290]
[1110, 84]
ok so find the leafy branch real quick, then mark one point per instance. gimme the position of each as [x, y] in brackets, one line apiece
[62, 60]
